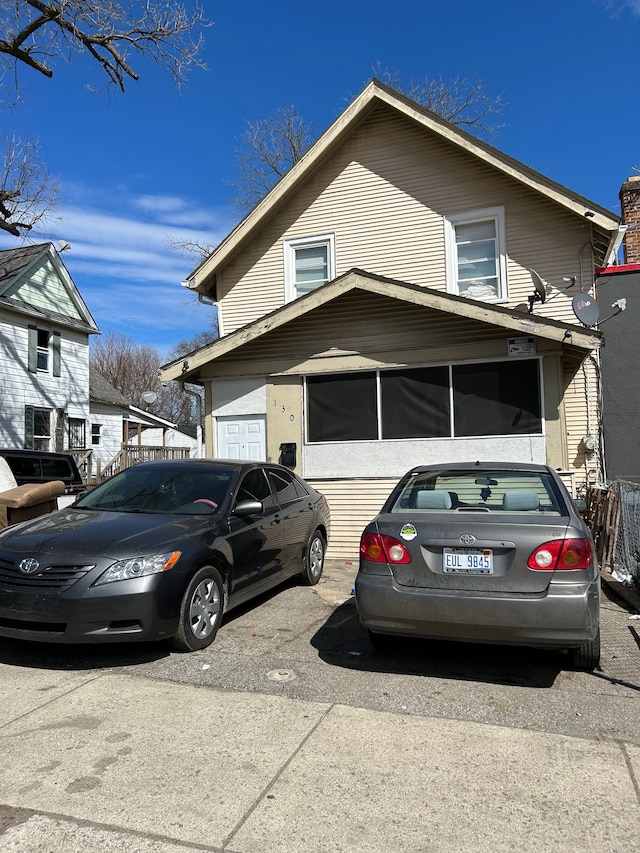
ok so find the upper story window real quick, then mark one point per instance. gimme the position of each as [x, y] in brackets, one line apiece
[44, 351]
[476, 261]
[309, 262]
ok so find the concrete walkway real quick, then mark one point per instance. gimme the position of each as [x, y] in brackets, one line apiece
[118, 762]
[104, 761]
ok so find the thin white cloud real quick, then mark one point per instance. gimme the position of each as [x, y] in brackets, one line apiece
[123, 265]
[618, 6]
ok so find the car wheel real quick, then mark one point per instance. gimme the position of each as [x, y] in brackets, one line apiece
[586, 656]
[381, 642]
[201, 611]
[314, 563]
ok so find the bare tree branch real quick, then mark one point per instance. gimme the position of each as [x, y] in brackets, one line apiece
[459, 100]
[38, 33]
[191, 248]
[133, 369]
[27, 193]
[269, 148]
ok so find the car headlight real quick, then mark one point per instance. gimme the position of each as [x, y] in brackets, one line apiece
[139, 567]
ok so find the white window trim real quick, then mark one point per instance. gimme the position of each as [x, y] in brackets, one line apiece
[495, 213]
[290, 247]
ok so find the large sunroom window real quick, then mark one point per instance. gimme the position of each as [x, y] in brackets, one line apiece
[447, 401]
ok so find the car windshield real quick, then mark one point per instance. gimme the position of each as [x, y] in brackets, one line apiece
[170, 490]
[480, 491]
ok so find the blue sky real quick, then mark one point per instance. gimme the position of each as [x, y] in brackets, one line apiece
[137, 167]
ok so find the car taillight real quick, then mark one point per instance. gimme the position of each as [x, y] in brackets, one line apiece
[562, 554]
[380, 548]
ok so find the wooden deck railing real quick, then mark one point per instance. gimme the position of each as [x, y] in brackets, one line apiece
[93, 472]
[602, 516]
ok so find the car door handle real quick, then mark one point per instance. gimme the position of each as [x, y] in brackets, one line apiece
[277, 519]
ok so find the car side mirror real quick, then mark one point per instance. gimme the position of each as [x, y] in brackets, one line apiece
[244, 508]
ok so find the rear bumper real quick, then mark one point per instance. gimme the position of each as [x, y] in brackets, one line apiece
[564, 616]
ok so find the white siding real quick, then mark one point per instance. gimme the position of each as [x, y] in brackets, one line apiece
[159, 437]
[110, 421]
[68, 393]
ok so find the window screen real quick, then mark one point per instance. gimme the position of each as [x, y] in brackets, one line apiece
[342, 407]
[415, 403]
[501, 398]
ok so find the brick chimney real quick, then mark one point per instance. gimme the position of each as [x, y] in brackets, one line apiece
[630, 208]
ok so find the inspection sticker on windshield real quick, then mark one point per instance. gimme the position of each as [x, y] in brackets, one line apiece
[467, 561]
[408, 532]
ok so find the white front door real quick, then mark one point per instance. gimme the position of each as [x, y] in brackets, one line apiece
[242, 438]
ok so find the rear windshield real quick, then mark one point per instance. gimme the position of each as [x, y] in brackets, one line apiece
[37, 467]
[473, 491]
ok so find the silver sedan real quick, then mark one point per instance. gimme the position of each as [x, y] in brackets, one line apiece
[482, 552]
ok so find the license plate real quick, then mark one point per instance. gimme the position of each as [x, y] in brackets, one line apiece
[468, 561]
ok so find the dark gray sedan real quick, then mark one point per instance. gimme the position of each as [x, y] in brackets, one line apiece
[161, 550]
[482, 552]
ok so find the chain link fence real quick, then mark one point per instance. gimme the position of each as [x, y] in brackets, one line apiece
[613, 516]
[627, 548]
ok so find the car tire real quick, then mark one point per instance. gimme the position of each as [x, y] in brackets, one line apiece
[201, 611]
[586, 656]
[314, 560]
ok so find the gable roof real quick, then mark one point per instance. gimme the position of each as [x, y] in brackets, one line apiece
[102, 391]
[375, 94]
[20, 290]
[187, 367]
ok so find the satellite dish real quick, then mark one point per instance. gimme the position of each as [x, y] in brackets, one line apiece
[539, 291]
[586, 309]
[149, 396]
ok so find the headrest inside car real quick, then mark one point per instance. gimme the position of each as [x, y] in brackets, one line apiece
[520, 501]
[433, 499]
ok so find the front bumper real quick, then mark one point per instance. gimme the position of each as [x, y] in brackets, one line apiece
[564, 616]
[123, 611]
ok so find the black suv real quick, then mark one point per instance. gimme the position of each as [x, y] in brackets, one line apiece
[41, 466]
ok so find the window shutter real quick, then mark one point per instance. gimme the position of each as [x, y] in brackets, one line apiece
[32, 359]
[55, 348]
[28, 427]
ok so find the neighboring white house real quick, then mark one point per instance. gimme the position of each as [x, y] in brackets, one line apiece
[116, 422]
[109, 414]
[151, 431]
[45, 327]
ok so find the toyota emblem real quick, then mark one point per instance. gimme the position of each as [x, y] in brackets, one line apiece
[467, 539]
[28, 567]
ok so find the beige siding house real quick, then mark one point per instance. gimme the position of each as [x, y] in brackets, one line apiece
[378, 310]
